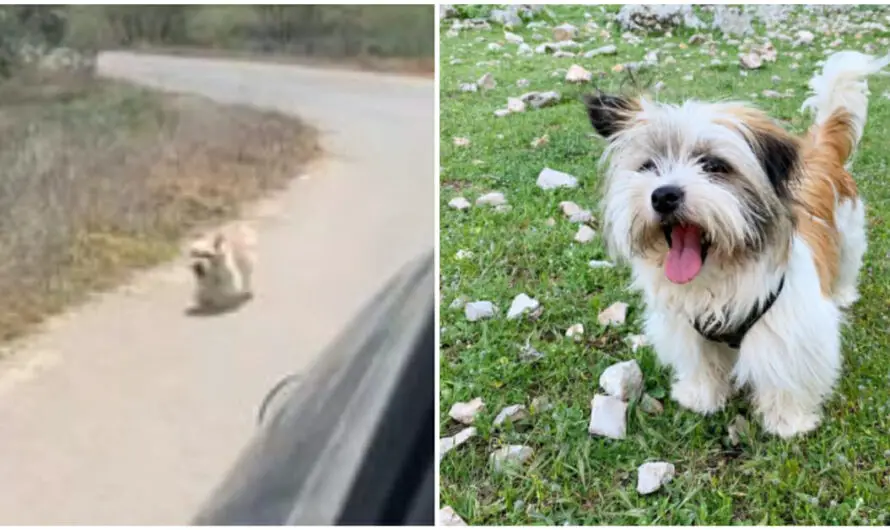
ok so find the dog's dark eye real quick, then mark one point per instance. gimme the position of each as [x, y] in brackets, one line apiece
[648, 165]
[715, 165]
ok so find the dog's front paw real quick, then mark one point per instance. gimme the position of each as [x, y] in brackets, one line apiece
[788, 424]
[701, 395]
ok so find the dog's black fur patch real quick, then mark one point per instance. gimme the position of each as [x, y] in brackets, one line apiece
[779, 158]
[607, 113]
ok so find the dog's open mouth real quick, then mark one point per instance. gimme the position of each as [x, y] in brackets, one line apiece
[688, 246]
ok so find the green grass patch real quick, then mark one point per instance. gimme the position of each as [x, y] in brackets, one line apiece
[839, 474]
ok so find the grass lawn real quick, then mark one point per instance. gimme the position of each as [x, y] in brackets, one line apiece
[99, 178]
[840, 474]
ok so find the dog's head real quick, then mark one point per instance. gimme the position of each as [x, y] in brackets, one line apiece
[207, 256]
[695, 183]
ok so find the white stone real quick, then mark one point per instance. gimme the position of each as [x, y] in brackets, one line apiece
[451, 442]
[600, 264]
[575, 330]
[637, 342]
[494, 47]
[805, 37]
[609, 49]
[513, 413]
[515, 105]
[500, 113]
[487, 81]
[524, 49]
[651, 476]
[461, 141]
[510, 456]
[522, 304]
[608, 417]
[448, 517]
[650, 405]
[494, 198]
[585, 234]
[478, 310]
[459, 302]
[468, 87]
[651, 57]
[540, 99]
[564, 32]
[751, 61]
[550, 179]
[563, 54]
[614, 314]
[513, 38]
[577, 74]
[575, 213]
[465, 412]
[459, 203]
[623, 380]
[541, 404]
[462, 254]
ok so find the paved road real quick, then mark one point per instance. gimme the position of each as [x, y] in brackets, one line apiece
[125, 411]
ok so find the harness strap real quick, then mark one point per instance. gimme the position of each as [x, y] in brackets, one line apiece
[733, 338]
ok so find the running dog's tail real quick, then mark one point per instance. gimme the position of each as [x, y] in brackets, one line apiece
[840, 99]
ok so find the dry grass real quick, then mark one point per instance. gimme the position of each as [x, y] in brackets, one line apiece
[99, 178]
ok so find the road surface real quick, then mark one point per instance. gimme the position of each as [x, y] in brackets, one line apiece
[126, 411]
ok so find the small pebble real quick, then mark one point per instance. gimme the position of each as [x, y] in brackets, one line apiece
[585, 234]
[650, 405]
[459, 203]
[623, 380]
[448, 517]
[478, 310]
[511, 455]
[521, 304]
[599, 264]
[550, 179]
[487, 81]
[514, 413]
[608, 417]
[465, 412]
[575, 331]
[494, 198]
[651, 476]
[452, 442]
[614, 314]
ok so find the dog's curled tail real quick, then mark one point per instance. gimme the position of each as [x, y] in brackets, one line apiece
[840, 95]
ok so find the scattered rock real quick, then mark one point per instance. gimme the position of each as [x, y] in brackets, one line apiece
[515, 105]
[608, 417]
[751, 61]
[487, 81]
[468, 87]
[528, 354]
[637, 342]
[804, 38]
[739, 427]
[512, 455]
[541, 404]
[771, 94]
[500, 113]
[466, 412]
[623, 380]
[478, 310]
[614, 314]
[522, 83]
[577, 74]
[461, 142]
[524, 49]
[609, 49]
[540, 99]
[657, 17]
[448, 517]
[585, 234]
[513, 38]
[651, 57]
[462, 254]
[514, 413]
[600, 264]
[459, 302]
[451, 442]
[575, 331]
[459, 203]
[574, 212]
[564, 32]
[506, 17]
[651, 476]
[550, 179]
[732, 21]
[521, 304]
[650, 405]
[494, 47]
[563, 54]
[494, 198]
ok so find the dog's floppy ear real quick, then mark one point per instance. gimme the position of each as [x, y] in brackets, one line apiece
[609, 114]
[779, 156]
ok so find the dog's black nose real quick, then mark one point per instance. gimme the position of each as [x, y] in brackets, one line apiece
[666, 199]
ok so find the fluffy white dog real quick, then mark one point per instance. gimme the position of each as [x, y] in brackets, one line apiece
[745, 240]
[223, 265]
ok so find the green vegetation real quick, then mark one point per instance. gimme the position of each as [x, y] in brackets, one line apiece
[839, 474]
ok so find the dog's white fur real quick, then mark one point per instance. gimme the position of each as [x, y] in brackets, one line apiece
[222, 265]
[791, 358]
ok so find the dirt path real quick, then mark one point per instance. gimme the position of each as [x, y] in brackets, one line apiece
[128, 412]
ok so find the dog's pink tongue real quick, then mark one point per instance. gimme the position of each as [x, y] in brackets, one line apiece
[684, 258]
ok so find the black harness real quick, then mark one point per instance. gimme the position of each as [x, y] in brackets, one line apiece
[733, 338]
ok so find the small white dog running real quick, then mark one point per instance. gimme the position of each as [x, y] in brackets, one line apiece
[223, 265]
[745, 240]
